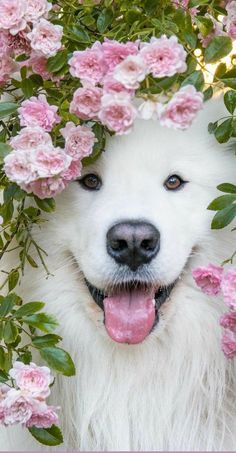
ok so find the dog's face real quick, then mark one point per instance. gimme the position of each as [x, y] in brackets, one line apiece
[134, 218]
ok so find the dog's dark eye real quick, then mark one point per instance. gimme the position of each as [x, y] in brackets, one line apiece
[91, 182]
[173, 182]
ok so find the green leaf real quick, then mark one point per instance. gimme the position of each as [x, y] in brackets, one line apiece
[59, 360]
[196, 79]
[193, 3]
[191, 39]
[104, 19]
[229, 78]
[2, 358]
[27, 87]
[223, 217]
[220, 71]
[208, 93]
[204, 24]
[54, 64]
[46, 340]
[78, 33]
[29, 309]
[48, 204]
[47, 436]
[7, 108]
[7, 211]
[7, 303]
[13, 191]
[230, 101]
[4, 151]
[10, 332]
[26, 357]
[226, 187]
[224, 131]
[31, 261]
[13, 279]
[221, 202]
[219, 47]
[212, 127]
[3, 377]
[41, 321]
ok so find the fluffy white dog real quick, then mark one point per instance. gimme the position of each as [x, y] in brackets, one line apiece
[145, 340]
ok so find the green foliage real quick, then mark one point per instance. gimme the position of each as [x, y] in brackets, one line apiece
[47, 436]
[225, 206]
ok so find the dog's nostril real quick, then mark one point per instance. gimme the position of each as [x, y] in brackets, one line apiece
[148, 244]
[119, 245]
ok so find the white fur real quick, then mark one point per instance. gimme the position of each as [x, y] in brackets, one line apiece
[175, 391]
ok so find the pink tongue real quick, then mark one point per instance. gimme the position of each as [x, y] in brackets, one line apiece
[129, 317]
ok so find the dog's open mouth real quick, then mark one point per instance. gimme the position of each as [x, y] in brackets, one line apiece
[130, 312]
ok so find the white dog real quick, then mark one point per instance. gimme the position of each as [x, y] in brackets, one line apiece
[145, 340]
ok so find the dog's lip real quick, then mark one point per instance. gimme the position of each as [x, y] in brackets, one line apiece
[162, 293]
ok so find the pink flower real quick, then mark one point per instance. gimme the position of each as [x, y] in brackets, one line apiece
[217, 30]
[4, 43]
[44, 418]
[117, 113]
[88, 65]
[86, 102]
[228, 320]
[45, 38]
[231, 8]
[73, 172]
[115, 52]
[228, 286]
[19, 43]
[228, 344]
[18, 407]
[182, 108]
[30, 137]
[164, 56]
[18, 167]
[231, 27]
[7, 67]
[12, 15]
[37, 112]
[46, 187]
[39, 66]
[111, 85]
[208, 278]
[32, 378]
[49, 161]
[36, 9]
[130, 71]
[79, 140]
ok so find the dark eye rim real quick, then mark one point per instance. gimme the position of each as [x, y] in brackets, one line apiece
[82, 183]
[182, 182]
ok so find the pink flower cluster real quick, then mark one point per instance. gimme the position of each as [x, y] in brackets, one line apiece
[35, 164]
[111, 72]
[25, 404]
[213, 280]
[24, 28]
[230, 19]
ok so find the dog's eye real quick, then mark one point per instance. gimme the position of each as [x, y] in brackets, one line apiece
[91, 182]
[173, 182]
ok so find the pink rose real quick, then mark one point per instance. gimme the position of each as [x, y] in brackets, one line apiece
[39, 66]
[18, 167]
[45, 38]
[19, 43]
[30, 137]
[111, 85]
[228, 344]
[182, 108]
[231, 8]
[228, 286]
[231, 27]
[130, 72]
[73, 172]
[4, 43]
[164, 56]
[37, 112]
[115, 52]
[7, 67]
[88, 65]
[117, 113]
[228, 320]
[32, 378]
[12, 15]
[49, 161]
[36, 9]
[79, 140]
[208, 278]
[17, 407]
[86, 102]
[44, 418]
[46, 187]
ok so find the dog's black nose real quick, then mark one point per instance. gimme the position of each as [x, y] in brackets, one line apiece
[133, 243]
